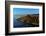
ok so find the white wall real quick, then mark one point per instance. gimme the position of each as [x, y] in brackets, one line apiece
[2, 18]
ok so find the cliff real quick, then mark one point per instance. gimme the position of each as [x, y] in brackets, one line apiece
[34, 19]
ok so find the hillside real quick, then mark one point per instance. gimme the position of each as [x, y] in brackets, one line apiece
[34, 19]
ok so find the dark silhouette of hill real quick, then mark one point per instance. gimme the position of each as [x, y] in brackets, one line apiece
[33, 19]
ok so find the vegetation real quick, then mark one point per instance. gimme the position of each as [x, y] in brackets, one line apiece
[30, 19]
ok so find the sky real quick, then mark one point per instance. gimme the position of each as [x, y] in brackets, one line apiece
[21, 11]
